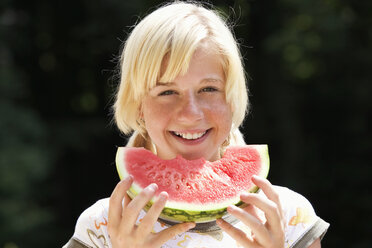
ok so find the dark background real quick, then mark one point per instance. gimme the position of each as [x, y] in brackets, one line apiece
[310, 67]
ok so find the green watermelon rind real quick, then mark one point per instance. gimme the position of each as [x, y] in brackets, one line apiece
[181, 215]
[185, 212]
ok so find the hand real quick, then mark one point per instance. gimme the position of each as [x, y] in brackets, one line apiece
[122, 226]
[267, 233]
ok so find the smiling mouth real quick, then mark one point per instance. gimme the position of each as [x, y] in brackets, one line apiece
[190, 136]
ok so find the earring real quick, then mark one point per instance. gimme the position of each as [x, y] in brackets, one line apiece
[226, 143]
[141, 123]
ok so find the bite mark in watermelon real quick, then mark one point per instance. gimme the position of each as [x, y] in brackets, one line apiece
[198, 190]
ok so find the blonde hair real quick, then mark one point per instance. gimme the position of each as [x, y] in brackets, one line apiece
[175, 30]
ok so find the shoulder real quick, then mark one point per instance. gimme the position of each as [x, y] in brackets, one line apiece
[303, 226]
[91, 226]
[97, 210]
[291, 199]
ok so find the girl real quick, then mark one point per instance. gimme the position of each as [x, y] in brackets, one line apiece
[183, 92]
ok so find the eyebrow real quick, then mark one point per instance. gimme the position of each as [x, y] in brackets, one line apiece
[164, 83]
[206, 80]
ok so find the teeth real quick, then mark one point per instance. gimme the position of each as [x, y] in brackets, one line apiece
[189, 135]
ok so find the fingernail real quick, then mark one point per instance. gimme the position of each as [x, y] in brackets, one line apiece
[152, 187]
[163, 196]
[256, 177]
[244, 194]
[232, 208]
[130, 177]
[191, 225]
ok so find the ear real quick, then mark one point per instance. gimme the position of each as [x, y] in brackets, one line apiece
[140, 111]
[232, 107]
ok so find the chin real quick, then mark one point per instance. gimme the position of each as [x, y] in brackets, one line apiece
[190, 156]
[194, 156]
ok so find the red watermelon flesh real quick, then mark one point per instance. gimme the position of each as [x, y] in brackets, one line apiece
[195, 185]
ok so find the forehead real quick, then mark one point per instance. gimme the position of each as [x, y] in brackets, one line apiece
[202, 68]
[205, 57]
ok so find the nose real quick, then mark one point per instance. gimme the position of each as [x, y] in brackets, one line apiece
[190, 109]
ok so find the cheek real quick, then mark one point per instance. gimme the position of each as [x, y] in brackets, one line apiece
[220, 107]
[222, 114]
[155, 115]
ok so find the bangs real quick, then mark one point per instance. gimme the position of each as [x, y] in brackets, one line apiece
[182, 46]
[174, 64]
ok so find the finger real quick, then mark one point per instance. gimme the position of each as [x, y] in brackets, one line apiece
[116, 199]
[131, 212]
[269, 191]
[237, 234]
[261, 233]
[272, 195]
[152, 215]
[252, 210]
[126, 200]
[169, 233]
[270, 208]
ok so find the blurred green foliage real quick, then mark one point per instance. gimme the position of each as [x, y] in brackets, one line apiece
[24, 155]
[310, 84]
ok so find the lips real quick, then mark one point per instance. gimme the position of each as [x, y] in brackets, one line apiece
[190, 136]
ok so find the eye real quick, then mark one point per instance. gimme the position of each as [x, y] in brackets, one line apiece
[209, 89]
[167, 93]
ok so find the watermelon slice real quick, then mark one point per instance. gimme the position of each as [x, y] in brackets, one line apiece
[198, 190]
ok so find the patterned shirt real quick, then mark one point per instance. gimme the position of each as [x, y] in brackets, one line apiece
[303, 227]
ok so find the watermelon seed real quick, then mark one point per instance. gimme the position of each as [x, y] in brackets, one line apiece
[159, 179]
[151, 175]
[196, 186]
[149, 167]
[183, 179]
[189, 185]
[177, 187]
[192, 175]
[175, 177]
[167, 175]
